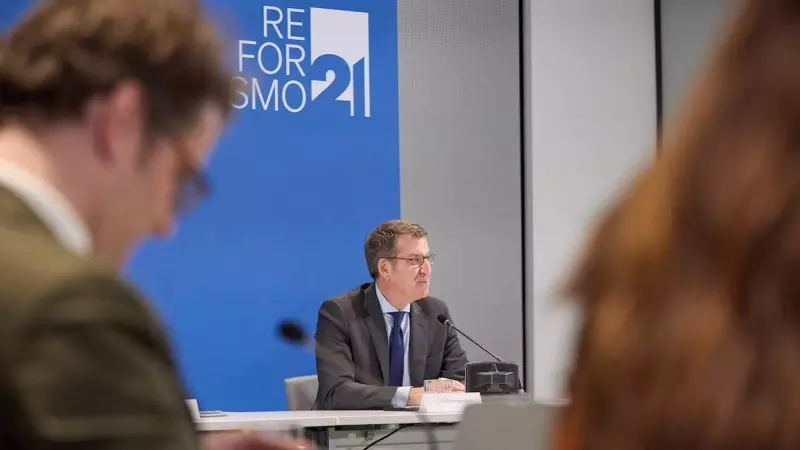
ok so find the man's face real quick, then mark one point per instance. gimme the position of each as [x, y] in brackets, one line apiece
[409, 271]
[147, 176]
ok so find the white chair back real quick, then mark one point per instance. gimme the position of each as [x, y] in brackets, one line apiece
[301, 392]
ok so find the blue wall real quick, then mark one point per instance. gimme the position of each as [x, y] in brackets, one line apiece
[295, 194]
[10, 11]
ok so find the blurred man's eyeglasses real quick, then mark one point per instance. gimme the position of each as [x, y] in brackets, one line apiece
[416, 260]
[194, 185]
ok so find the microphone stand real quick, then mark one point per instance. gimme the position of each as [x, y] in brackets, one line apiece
[450, 324]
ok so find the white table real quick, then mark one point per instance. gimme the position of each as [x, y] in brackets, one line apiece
[355, 418]
[267, 421]
[348, 429]
[290, 420]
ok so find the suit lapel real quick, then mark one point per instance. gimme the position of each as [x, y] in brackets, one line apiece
[418, 354]
[376, 325]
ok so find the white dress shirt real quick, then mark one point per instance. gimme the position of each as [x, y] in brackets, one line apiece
[401, 396]
[52, 208]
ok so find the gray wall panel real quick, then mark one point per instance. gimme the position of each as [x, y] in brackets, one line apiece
[460, 167]
[591, 122]
[689, 29]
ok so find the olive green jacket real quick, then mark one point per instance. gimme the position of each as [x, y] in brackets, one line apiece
[84, 363]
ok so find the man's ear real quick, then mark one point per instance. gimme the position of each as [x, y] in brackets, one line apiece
[383, 267]
[117, 122]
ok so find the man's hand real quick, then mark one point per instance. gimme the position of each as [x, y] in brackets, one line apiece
[455, 385]
[251, 440]
[415, 396]
[443, 385]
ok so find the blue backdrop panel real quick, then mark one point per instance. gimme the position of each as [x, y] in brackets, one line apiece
[11, 11]
[309, 165]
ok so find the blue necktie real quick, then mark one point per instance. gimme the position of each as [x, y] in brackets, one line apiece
[396, 350]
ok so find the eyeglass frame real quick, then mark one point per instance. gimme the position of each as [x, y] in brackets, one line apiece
[194, 184]
[410, 259]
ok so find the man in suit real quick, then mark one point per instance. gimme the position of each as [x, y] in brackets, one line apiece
[377, 344]
[108, 109]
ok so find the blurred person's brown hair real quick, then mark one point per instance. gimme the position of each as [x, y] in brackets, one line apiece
[690, 287]
[68, 51]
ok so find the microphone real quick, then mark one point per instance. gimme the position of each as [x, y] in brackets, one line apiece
[444, 320]
[294, 333]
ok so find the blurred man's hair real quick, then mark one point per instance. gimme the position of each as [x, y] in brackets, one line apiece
[690, 288]
[65, 52]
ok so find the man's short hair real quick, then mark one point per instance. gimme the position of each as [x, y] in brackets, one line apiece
[67, 51]
[381, 242]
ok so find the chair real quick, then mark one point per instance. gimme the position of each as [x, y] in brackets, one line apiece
[301, 392]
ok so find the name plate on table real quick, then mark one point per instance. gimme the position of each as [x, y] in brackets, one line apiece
[450, 402]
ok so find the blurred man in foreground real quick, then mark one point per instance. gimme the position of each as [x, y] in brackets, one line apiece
[108, 109]
[377, 344]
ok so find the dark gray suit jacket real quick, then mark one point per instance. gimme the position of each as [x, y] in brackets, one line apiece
[353, 351]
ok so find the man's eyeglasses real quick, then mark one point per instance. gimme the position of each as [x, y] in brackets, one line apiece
[416, 260]
[193, 183]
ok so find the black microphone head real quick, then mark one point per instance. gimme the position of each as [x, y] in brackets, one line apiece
[443, 319]
[293, 332]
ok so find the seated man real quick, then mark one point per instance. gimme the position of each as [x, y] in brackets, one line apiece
[377, 344]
